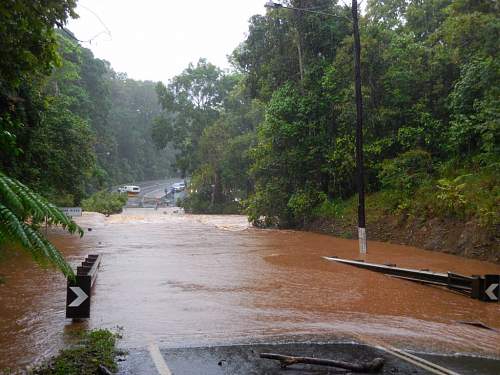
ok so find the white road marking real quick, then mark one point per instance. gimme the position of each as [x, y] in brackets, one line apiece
[158, 360]
[417, 361]
[405, 356]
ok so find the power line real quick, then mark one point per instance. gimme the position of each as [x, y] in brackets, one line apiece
[106, 30]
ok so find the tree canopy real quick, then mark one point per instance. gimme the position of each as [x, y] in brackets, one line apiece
[430, 78]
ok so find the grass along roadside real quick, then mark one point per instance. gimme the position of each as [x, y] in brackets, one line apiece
[425, 222]
[93, 349]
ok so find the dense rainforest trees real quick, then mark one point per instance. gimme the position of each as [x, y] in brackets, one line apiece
[90, 129]
[69, 125]
[274, 136]
[28, 46]
[211, 122]
[430, 73]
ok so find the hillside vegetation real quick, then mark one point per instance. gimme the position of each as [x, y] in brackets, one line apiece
[276, 138]
[69, 126]
[80, 128]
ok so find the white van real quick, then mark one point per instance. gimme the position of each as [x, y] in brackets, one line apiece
[132, 189]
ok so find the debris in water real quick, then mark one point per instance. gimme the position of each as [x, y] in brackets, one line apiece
[477, 324]
[286, 360]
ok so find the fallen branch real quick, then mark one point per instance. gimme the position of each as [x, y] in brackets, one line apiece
[103, 370]
[286, 360]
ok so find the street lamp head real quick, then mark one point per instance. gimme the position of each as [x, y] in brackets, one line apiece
[272, 5]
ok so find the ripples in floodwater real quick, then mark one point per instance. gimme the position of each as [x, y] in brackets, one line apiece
[186, 280]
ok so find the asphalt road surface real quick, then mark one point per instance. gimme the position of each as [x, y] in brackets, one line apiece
[150, 192]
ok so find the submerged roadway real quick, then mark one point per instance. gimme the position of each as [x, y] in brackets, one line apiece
[199, 294]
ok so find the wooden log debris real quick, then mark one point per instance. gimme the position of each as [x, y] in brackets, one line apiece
[287, 360]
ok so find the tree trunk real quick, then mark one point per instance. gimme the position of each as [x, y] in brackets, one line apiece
[286, 360]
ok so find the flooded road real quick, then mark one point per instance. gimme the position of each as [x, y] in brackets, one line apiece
[184, 280]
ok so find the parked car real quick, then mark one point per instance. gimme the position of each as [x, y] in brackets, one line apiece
[179, 186]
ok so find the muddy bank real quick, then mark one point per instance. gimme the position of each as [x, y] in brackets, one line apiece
[445, 235]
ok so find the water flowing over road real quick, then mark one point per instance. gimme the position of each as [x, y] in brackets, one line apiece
[186, 280]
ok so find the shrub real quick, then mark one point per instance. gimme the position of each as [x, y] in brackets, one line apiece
[268, 206]
[200, 203]
[105, 202]
[330, 209]
[302, 204]
[407, 171]
[451, 195]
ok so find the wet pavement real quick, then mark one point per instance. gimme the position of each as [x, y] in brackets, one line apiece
[245, 360]
[151, 192]
[184, 281]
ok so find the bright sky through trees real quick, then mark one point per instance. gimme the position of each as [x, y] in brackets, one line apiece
[155, 40]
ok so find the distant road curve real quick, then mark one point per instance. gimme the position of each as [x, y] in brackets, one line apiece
[150, 190]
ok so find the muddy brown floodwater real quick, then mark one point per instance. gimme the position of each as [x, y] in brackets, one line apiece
[184, 280]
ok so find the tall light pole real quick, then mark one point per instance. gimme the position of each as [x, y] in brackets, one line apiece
[359, 112]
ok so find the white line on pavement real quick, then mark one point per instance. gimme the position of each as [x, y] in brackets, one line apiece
[161, 365]
[417, 361]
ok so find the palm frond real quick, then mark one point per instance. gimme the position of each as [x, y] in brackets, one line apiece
[21, 212]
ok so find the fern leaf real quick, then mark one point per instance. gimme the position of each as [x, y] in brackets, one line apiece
[13, 226]
[30, 205]
[9, 196]
[48, 251]
[21, 210]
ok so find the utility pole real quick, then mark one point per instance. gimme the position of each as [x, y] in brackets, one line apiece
[359, 112]
[359, 130]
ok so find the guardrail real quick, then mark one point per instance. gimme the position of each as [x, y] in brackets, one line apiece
[79, 290]
[485, 288]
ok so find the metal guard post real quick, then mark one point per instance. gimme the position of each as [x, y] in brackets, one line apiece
[79, 290]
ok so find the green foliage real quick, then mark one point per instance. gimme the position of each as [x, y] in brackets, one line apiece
[466, 194]
[127, 151]
[292, 142]
[451, 194]
[199, 202]
[330, 209]
[268, 205]
[475, 103]
[190, 104]
[430, 85]
[407, 171]
[213, 130]
[83, 128]
[22, 212]
[94, 348]
[278, 133]
[302, 204]
[105, 202]
[469, 193]
[28, 45]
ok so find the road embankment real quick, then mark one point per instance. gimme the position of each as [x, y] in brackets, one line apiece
[467, 239]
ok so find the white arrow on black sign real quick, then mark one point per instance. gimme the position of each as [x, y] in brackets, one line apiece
[81, 296]
[490, 294]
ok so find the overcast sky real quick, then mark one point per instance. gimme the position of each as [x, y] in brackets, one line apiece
[156, 39]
